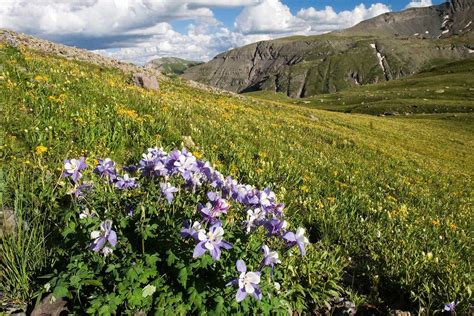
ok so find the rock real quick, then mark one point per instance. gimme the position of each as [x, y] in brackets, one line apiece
[50, 306]
[8, 222]
[391, 113]
[313, 117]
[439, 91]
[145, 81]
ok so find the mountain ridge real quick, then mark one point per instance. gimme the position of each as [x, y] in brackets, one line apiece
[302, 66]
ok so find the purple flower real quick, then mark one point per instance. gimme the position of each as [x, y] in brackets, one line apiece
[81, 190]
[270, 257]
[126, 182]
[298, 239]
[167, 190]
[451, 307]
[102, 236]
[106, 169]
[153, 162]
[247, 282]
[215, 208]
[73, 168]
[191, 231]
[255, 217]
[275, 227]
[211, 241]
[185, 163]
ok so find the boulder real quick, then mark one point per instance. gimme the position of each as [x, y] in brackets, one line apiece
[145, 81]
[49, 306]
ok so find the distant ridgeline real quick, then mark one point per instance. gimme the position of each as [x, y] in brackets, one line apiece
[387, 47]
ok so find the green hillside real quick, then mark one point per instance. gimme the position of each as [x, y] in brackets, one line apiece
[171, 65]
[442, 87]
[386, 201]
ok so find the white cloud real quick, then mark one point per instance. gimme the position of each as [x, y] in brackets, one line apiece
[269, 16]
[419, 4]
[97, 18]
[327, 19]
[139, 30]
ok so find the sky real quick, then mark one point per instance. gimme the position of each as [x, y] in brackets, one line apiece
[140, 30]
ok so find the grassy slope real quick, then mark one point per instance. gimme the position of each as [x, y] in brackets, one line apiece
[440, 88]
[389, 191]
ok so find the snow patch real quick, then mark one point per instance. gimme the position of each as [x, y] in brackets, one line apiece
[471, 51]
[468, 24]
[445, 31]
[381, 58]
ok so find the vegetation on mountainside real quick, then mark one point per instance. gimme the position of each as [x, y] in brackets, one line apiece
[442, 87]
[387, 200]
[172, 65]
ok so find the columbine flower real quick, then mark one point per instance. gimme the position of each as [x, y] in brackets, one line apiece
[126, 182]
[167, 190]
[255, 217]
[106, 169]
[102, 236]
[215, 208]
[80, 190]
[191, 231]
[247, 282]
[451, 307]
[73, 167]
[211, 241]
[275, 227]
[271, 257]
[297, 238]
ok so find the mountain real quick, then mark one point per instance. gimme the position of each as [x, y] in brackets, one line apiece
[171, 65]
[387, 47]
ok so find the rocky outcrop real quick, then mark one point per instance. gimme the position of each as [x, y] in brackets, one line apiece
[18, 39]
[387, 47]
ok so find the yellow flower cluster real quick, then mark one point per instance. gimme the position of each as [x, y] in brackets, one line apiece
[40, 78]
[41, 150]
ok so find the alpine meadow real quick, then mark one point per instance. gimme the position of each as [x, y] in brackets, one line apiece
[346, 192]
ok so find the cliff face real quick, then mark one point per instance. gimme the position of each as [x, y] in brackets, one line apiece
[387, 47]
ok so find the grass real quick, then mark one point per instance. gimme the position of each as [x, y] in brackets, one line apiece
[394, 193]
[442, 87]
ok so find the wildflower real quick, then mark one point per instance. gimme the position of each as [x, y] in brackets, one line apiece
[167, 190]
[275, 227]
[271, 257]
[255, 217]
[215, 208]
[450, 307]
[211, 241]
[126, 182]
[106, 169]
[247, 283]
[80, 190]
[191, 231]
[102, 236]
[41, 149]
[297, 238]
[73, 168]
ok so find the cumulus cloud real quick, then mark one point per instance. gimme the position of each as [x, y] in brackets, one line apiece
[419, 4]
[139, 30]
[269, 16]
[327, 19]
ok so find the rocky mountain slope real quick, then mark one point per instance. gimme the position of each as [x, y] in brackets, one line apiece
[387, 47]
[171, 65]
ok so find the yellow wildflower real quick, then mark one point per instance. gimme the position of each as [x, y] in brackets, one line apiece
[41, 149]
[435, 222]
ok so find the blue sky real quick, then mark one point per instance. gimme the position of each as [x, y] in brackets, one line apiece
[140, 30]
